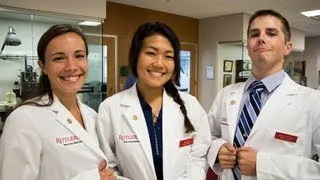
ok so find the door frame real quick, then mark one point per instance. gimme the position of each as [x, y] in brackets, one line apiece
[193, 48]
[112, 82]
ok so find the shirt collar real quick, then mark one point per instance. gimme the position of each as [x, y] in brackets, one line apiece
[270, 82]
[143, 103]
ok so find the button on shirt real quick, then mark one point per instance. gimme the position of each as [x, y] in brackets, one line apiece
[155, 136]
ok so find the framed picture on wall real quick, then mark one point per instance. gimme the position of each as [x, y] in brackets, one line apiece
[303, 80]
[246, 65]
[227, 80]
[227, 65]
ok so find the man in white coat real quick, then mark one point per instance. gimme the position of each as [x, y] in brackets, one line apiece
[270, 132]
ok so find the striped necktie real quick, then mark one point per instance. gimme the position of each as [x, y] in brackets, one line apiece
[249, 114]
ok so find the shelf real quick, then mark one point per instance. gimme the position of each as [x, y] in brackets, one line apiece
[18, 57]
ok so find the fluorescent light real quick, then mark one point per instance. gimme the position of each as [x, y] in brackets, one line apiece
[89, 23]
[311, 13]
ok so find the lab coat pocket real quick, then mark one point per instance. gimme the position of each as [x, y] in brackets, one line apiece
[285, 141]
[185, 145]
[290, 139]
[184, 150]
[70, 148]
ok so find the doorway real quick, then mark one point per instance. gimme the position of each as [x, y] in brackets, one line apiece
[189, 66]
[110, 46]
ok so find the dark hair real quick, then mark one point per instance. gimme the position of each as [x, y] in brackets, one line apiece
[44, 87]
[268, 12]
[149, 29]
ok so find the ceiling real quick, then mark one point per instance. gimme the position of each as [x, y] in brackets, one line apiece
[201, 9]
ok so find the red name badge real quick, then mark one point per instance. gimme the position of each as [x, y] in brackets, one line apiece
[286, 137]
[186, 142]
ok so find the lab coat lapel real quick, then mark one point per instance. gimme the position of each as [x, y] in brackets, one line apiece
[171, 132]
[233, 102]
[282, 97]
[84, 135]
[134, 115]
[64, 117]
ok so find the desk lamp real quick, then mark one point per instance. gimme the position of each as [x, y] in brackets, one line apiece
[11, 39]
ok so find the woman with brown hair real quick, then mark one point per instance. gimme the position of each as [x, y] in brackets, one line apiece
[52, 135]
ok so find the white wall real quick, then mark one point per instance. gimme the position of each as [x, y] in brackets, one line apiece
[312, 57]
[246, 18]
[297, 39]
[90, 8]
[211, 32]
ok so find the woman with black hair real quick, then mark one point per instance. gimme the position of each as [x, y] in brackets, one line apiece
[152, 131]
[52, 136]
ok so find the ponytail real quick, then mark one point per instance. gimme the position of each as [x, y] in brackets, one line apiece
[173, 92]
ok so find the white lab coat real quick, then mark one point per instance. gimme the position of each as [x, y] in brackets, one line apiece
[47, 143]
[293, 110]
[124, 138]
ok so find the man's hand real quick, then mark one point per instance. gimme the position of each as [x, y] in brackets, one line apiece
[247, 158]
[227, 156]
[105, 174]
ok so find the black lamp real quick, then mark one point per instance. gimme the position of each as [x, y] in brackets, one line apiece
[11, 39]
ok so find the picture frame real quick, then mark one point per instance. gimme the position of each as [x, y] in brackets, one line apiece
[227, 65]
[227, 79]
[246, 65]
[209, 72]
[303, 80]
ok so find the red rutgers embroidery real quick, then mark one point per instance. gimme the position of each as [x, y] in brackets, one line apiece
[68, 140]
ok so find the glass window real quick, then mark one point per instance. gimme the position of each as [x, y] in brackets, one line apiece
[19, 61]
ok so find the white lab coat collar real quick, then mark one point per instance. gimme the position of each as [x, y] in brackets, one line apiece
[135, 117]
[62, 116]
[170, 119]
[288, 88]
[287, 91]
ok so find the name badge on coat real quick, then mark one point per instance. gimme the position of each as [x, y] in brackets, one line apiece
[186, 142]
